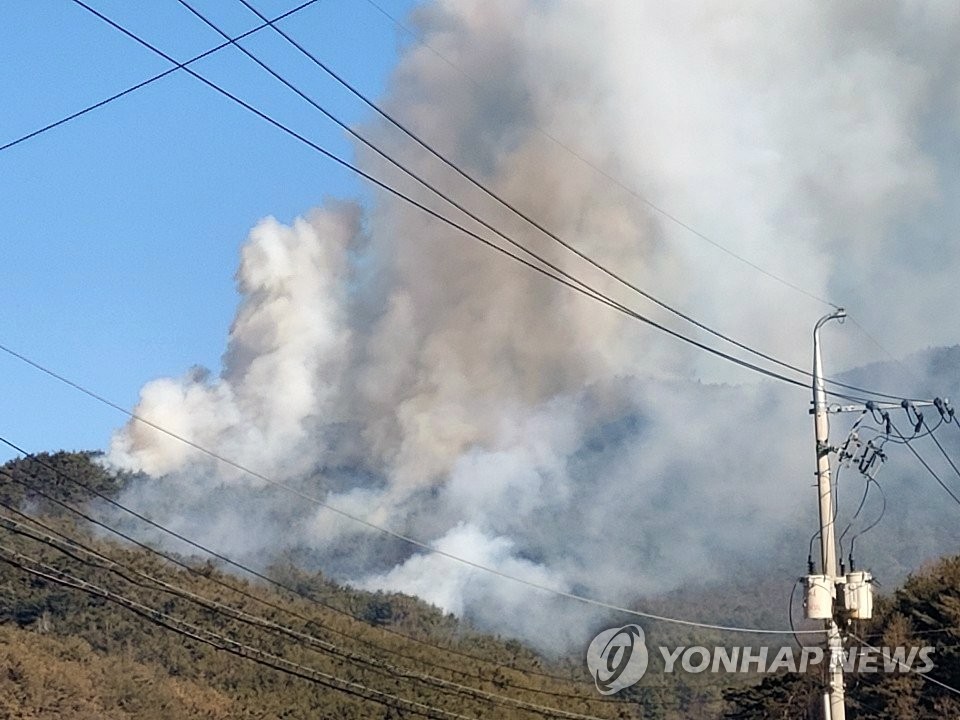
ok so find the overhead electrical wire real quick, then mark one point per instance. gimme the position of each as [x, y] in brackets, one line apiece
[844, 458]
[230, 41]
[451, 556]
[865, 465]
[261, 657]
[590, 292]
[577, 285]
[925, 464]
[350, 516]
[623, 186]
[587, 290]
[897, 441]
[890, 429]
[539, 269]
[39, 492]
[432, 187]
[856, 514]
[150, 80]
[793, 626]
[33, 488]
[871, 526]
[909, 668]
[389, 117]
[149, 582]
[269, 22]
[868, 463]
[890, 434]
[943, 450]
[581, 288]
[612, 178]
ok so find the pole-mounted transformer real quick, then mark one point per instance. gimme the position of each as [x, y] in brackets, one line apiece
[818, 604]
[858, 595]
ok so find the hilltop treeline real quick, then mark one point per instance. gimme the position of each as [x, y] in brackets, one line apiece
[924, 612]
[93, 626]
[142, 637]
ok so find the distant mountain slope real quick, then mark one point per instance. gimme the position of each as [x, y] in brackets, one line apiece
[74, 654]
[919, 524]
[50, 676]
[924, 612]
[101, 657]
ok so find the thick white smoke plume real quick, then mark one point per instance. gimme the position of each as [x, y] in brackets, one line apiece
[289, 346]
[405, 374]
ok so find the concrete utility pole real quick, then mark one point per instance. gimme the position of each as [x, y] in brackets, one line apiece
[833, 703]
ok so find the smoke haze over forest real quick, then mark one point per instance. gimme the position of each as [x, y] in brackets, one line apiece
[401, 372]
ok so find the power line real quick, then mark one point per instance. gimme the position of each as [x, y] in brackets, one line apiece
[442, 553]
[579, 286]
[906, 441]
[942, 449]
[36, 490]
[926, 465]
[266, 22]
[220, 642]
[455, 167]
[868, 466]
[254, 573]
[297, 9]
[586, 289]
[487, 190]
[424, 546]
[400, 537]
[871, 526]
[909, 668]
[458, 205]
[863, 501]
[148, 81]
[610, 177]
[320, 503]
[207, 637]
[124, 571]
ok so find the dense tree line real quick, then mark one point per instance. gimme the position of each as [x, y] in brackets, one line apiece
[102, 660]
[69, 654]
[925, 611]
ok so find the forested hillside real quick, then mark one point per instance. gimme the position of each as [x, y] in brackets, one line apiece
[94, 626]
[924, 612]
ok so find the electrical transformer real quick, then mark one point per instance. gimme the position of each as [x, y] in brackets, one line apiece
[858, 595]
[819, 599]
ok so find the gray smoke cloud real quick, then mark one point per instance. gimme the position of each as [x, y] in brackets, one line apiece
[395, 370]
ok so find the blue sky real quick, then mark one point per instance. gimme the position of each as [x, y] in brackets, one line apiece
[123, 226]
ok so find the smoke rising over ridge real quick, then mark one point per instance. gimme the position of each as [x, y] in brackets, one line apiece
[407, 375]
